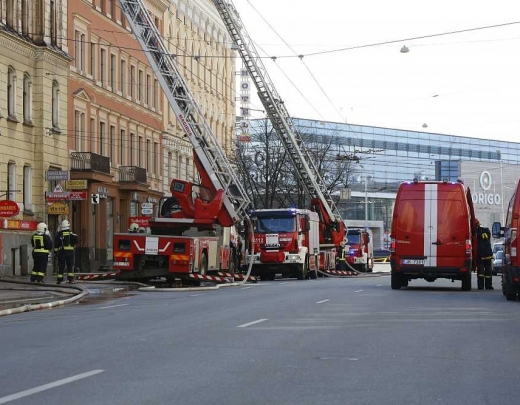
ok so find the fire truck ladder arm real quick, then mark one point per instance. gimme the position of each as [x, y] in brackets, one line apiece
[275, 108]
[212, 158]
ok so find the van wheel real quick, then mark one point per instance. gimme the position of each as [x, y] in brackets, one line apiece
[511, 296]
[396, 281]
[466, 282]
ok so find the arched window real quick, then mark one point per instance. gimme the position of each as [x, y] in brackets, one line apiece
[27, 99]
[55, 105]
[11, 93]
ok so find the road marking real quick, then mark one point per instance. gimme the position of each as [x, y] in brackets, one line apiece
[114, 306]
[245, 325]
[379, 285]
[285, 282]
[46, 387]
[196, 295]
[322, 301]
[358, 290]
[245, 288]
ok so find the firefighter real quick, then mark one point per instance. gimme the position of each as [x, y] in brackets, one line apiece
[484, 257]
[341, 261]
[41, 242]
[64, 243]
[133, 228]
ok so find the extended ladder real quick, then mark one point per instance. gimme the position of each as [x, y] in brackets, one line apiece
[205, 144]
[275, 108]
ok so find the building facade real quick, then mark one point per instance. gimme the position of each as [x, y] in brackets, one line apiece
[34, 63]
[384, 157]
[88, 131]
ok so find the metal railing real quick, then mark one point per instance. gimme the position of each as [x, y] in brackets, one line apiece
[88, 161]
[132, 174]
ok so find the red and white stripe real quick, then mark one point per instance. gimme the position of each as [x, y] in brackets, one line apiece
[95, 276]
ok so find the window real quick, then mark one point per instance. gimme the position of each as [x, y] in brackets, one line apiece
[27, 99]
[92, 135]
[148, 89]
[102, 138]
[77, 131]
[140, 86]
[53, 22]
[123, 85]
[93, 60]
[11, 93]
[25, 17]
[27, 188]
[132, 82]
[102, 73]
[140, 152]
[11, 181]
[79, 54]
[132, 149]
[113, 145]
[10, 13]
[148, 157]
[156, 158]
[122, 142]
[113, 72]
[55, 105]
[155, 94]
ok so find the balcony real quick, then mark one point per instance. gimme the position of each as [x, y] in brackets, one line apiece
[132, 174]
[89, 162]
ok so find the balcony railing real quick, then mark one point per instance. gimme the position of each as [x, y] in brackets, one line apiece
[132, 174]
[90, 162]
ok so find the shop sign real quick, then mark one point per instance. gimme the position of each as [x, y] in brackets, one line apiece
[146, 211]
[146, 205]
[152, 200]
[76, 184]
[141, 221]
[58, 208]
[77, 195]
[57, 196]
[20, 225]
[8, 208]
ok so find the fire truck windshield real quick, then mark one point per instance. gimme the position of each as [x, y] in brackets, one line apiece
[276, 224]
[354, 239]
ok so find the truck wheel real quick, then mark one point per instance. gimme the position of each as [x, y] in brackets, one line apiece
[396, 281]
[302, 272]
[466, 282]
[511, 296]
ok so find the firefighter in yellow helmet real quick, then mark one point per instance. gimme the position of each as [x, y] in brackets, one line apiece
[41, 242]
[341, 256]
[484, 257]
[64, 243]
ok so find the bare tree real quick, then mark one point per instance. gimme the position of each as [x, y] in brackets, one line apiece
[265, 168]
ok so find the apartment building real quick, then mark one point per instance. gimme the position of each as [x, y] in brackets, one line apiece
[34, 64]
[125, 143]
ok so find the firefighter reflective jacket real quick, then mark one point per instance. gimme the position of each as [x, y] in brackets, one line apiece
[65, 240]
[41, 243]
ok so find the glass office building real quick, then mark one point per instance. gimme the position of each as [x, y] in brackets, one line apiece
[385, 157]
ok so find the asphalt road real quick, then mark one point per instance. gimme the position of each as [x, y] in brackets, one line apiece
[325, 341]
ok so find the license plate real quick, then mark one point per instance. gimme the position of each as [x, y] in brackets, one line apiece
[416, 262]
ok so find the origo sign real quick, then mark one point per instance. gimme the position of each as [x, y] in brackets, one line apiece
[488, 196]
[8, 208]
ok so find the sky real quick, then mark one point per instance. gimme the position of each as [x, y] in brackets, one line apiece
[352, 70]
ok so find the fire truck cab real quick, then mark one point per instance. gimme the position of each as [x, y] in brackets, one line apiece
[286, 242]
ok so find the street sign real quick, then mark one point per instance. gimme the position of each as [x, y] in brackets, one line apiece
[57, 175]
[57, 189]
[146, 205]
[94, 198]
[146, 211]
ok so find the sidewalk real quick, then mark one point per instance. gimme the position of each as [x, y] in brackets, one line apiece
[18, 294]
